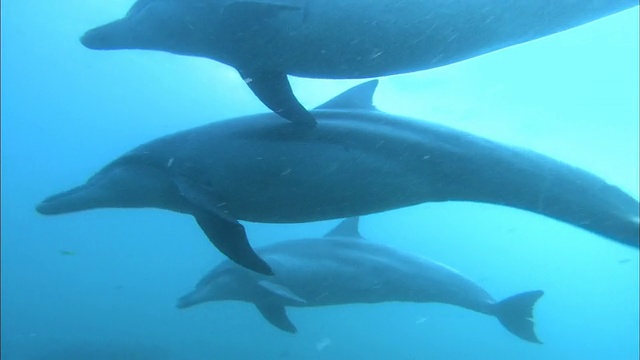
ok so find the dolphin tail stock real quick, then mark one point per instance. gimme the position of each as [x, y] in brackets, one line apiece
[549, 187]
[515, 313]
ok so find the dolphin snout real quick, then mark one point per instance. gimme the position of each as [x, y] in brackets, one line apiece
[76, 199]
[184, 302]
[112, 36]
[181, 305]
[97, 39]
[46, 208]
[194, 297]
[90, 40]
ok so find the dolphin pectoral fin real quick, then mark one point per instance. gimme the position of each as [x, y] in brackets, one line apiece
[223, 230]
[281, 291]
[276, 314]
[230, 238]
[274, 90]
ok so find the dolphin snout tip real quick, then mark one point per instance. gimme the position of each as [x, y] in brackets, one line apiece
[83, 40]
[181, 304]
[100, 38]
[45, 208]
[49, 208]
[68, 201]
[88, 40]
[188, 300]
[115, 35]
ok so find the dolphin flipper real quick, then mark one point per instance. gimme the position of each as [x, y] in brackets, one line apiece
[271, 86]
[230, 238]
[274, 90]
[276, 314]
[224, 231]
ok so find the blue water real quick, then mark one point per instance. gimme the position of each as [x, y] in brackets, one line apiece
[105, 281]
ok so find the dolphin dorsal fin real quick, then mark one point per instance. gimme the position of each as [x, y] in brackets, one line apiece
[359, 97]
[347, 228]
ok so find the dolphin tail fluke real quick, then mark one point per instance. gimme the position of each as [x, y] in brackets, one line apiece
[516, 314]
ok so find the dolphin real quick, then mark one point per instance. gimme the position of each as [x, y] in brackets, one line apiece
[266, 40]
[356, 161]
[343, 268]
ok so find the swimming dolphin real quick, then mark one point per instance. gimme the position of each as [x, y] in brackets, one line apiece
[264, 40]
[343, 268]
[356, 161]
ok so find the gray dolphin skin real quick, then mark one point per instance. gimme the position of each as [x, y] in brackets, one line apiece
[343, 268]
[337, 39]
[356, 161]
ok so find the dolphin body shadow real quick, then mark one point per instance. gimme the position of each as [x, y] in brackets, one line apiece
[338, 39]
[343, 268]
[356, 161]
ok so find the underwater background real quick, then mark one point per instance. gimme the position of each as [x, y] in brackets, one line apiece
[103, 284]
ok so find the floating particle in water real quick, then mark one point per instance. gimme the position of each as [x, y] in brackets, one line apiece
[320, 345]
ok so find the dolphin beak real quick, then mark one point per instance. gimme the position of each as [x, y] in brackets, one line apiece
[76, 199]
[112, 36]
[195, 297]
[186, 301]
